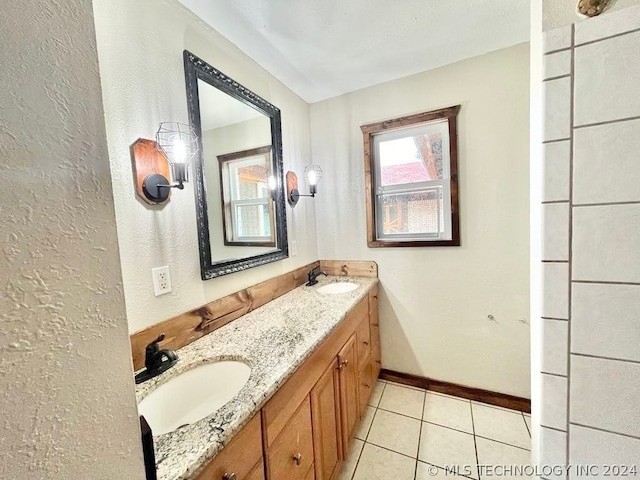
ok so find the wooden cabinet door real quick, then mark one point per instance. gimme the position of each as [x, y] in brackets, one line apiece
[291, 455]
[325, 416]
[348, 379]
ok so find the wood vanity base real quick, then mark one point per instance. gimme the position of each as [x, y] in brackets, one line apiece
[303, 431]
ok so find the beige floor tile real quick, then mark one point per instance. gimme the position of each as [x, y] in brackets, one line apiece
[349, 466]
[448, 412]
[501, 425]
[448, 448]
[365, 424]
[395, 432]
[493, 454]
[431, 472]
[377, 393]
[407, 401]
[379, 464]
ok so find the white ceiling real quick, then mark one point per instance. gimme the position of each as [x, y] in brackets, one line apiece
[324, 48]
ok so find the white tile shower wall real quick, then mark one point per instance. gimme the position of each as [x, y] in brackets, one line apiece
[590, 361]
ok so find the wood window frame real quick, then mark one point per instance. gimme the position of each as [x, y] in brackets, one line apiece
[372, 129]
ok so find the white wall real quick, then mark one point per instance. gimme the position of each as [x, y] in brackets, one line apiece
[66, 384]
[435, 301]
[558, 13]
[140, 48]
[590, 362]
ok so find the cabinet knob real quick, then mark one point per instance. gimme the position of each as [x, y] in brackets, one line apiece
[366, 344]
[366, 385]
[378, 362]
[297, 458]
[343, 364]
[376, 324]
[229, 476]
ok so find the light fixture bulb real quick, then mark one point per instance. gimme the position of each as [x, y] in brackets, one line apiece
[313, 174]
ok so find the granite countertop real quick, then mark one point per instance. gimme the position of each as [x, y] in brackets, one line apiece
[274, 340]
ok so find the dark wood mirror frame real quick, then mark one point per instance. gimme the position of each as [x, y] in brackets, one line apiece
[196, 68]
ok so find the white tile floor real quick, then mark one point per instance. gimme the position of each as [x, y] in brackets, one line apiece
[411, 434]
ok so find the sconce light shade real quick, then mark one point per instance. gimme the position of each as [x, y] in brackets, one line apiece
[312, 174]
[176, 144]
[179, 144]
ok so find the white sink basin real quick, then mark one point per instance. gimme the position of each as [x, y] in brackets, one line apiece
[193, 395]
[337, 287]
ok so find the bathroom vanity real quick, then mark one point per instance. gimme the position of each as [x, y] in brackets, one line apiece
[314, 360]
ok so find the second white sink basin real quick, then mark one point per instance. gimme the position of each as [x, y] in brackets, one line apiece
[193, 395]
[337, 287]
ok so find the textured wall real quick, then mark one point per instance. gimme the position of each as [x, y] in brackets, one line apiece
[65, 373]
[140, 48]
[557, 13]
[435, 301]
[590, 362]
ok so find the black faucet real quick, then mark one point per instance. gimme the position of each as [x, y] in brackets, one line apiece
[156, 361]
[312, 276]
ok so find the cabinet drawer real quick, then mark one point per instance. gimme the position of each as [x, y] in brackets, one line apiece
[257, 473]
[363, 338]
[291, 455]
[365, 386]
[239, 457]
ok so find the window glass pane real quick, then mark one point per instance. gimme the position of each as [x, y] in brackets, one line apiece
[415, 213]
[252, 181]
[253, 221]
[415, 157]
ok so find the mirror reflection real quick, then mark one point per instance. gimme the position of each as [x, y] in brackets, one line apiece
[239, 188]
[236, 147]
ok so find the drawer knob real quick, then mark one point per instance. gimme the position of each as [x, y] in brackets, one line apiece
[376, 324]
[229, 476]
[378, 362]
[297, 458]
[366, 385]
[366, 344]
[343, 364]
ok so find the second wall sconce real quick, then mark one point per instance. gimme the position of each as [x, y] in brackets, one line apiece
[175, 146]
[312, 174]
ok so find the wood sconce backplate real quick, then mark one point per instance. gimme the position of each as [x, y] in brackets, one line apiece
[292, 184]
[591, 8]
[147, 160]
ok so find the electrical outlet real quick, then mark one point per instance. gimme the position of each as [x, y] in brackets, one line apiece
[294, 248]
[161, 280]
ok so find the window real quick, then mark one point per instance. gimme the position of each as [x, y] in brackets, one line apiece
[411, 180]
[247, 207]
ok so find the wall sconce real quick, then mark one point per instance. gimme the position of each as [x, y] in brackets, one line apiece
[312, 174]
[175, 146]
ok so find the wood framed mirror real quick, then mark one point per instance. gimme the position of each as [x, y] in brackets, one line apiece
[241, 218]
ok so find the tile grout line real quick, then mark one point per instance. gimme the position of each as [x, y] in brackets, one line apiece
[616, 35]
[604, 430]
[569, 299]
[475, 443]
[605, 282]
[556, 140]
[607, 122]
[600, 357]
[424, 403]
[607, 204]
[526, 425]
[364, 442]
[503, 443]
[557, 77]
